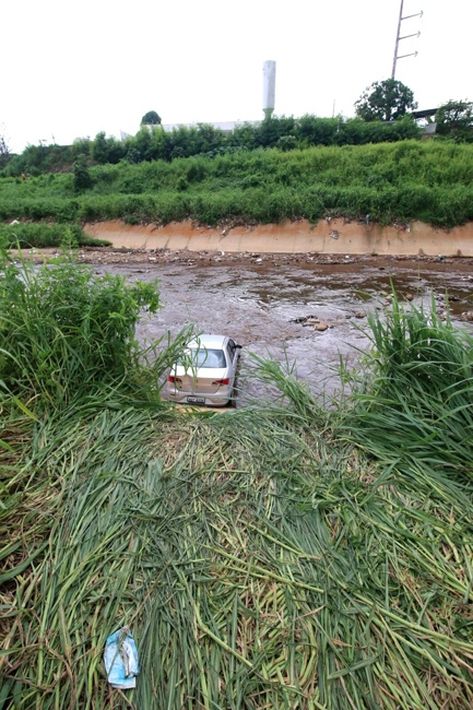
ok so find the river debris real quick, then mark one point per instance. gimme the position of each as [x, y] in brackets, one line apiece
[126, 255]
[312, 321]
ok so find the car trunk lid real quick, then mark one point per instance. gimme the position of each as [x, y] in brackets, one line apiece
[204, 380]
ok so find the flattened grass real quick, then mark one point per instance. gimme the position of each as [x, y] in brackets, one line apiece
[259, 564]
[273, 557]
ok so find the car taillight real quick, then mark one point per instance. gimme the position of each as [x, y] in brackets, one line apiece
[225, 381]
[172, 378]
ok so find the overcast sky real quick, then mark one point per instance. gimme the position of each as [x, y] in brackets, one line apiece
[72, 68]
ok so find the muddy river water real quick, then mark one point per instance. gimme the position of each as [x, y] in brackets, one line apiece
[261, 303]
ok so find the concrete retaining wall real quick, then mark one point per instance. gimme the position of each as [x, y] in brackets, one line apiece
[334, 236]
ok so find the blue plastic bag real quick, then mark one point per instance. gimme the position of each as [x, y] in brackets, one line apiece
[121, 659]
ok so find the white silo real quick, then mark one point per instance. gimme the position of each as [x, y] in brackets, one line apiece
[269, 87]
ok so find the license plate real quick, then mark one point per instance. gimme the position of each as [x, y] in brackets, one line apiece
[196, 400]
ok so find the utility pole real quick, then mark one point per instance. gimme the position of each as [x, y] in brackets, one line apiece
[399, 38]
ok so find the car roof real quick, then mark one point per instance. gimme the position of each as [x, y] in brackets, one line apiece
[209, 341]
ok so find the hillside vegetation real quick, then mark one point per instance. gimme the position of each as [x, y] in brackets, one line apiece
[386, 183]
[278, 556]
[282, 132]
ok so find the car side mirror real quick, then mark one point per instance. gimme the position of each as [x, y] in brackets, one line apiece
[239, 346]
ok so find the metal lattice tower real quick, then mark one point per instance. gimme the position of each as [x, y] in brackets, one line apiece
[399, 38]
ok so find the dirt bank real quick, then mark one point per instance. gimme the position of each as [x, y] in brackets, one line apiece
[335, 236]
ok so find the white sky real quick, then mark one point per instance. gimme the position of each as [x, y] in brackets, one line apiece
[72, 68]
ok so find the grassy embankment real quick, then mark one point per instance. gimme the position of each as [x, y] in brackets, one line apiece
[273, 557]
[385, 183]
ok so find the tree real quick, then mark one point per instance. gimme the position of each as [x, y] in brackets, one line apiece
[151, 119]
[107, 150]
[455, 119]
[81, 146]
[4, 152]
[82, 179]
[385, 101]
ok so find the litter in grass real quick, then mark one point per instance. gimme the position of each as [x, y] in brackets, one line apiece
[121, 659]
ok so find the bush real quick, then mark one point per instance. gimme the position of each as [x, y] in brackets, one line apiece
[39, 235]
[82, 179]
[64, 330]
[107, 150]
[455, 119]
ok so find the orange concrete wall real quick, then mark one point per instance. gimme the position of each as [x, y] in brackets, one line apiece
[334, 236]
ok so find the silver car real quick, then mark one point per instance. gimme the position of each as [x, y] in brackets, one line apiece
[206, 373]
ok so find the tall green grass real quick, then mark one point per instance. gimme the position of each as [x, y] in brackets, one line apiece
[29, 235]
[62, 328]
[417, 408]
[384, 183]
[66, 333]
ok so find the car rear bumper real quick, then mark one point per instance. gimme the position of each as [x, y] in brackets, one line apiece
[215, 399]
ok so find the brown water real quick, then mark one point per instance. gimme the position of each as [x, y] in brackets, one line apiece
[257, 304]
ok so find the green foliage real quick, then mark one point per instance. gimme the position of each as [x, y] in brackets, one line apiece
[286, 143]
[455, 120]
[38, 235]
[385, 100]
[151, 118]
[416, 409]
[64, 330]
[286, 133]
[38, 159]
[4, 152]
[81, 175]
[399, 181]
[82, 147]
[146, 145]
[107, 150]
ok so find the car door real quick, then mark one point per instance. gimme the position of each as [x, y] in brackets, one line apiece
[232, 355]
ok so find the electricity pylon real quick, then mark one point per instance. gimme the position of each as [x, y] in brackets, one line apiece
[399, 38]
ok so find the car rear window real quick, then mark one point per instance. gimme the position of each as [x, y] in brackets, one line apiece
[203, 357]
